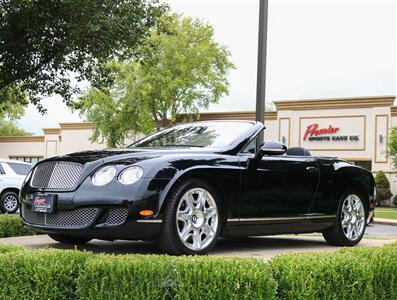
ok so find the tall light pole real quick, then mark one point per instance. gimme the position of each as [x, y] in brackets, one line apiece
[261, 71]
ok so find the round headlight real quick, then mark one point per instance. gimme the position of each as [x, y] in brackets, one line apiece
[104, 175]
[130, 175]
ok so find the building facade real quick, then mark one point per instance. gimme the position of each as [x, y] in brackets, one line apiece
[356, 129]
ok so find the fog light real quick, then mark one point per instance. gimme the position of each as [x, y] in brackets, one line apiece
[146, 212]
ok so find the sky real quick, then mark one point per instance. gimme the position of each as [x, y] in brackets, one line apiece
[316, 49]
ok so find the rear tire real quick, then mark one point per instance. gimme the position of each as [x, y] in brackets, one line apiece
[350, 224]
[192, 219]
[9, 202]
[68, 239]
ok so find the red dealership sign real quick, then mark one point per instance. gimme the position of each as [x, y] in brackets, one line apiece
[315, 133]
[313, 130]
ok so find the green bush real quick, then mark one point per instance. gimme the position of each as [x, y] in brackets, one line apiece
[351, 273]
[383, 262]
[11, 225]
[395, 200]
[166, 277]
[322, 276]
[382, 187]
[10, 248]
[358, 273]
[40, 274]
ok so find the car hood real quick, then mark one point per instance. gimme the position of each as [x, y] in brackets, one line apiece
[109, 155]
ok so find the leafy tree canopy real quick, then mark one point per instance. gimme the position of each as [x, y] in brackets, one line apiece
[181, 68]
[392, 145]
[12, 102]
[12, 106]
[45, 43]
[10, 128]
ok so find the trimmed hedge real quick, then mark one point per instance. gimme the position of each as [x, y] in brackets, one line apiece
[358, 273]
[350, 273]
[11, 225]
[166, 277]
[383, 262]
[322, 276]
[41, 274]
[10, 248]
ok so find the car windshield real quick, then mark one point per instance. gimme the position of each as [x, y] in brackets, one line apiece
[211, 135]
[20, 169]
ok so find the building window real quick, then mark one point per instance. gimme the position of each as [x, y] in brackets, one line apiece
[29, 159]
[366, 164]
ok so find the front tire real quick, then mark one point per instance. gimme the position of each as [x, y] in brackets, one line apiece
[9, 202]
[350, 224]
[68, 239]
[192, 219]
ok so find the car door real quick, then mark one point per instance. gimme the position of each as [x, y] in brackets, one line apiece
[277, 186]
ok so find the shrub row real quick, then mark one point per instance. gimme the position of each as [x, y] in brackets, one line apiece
[11, 225]
[41, 274]
[355, 273]
[165, 277]
[359, 273]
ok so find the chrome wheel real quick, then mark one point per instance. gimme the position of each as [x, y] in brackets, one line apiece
[197, 219]
[10, 203]
[353, 217]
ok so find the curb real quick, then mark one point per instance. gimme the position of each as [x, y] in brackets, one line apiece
[385, 222]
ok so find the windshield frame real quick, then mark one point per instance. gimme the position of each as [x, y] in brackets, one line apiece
[233, 141]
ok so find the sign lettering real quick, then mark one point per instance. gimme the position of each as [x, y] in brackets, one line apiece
[314, 133]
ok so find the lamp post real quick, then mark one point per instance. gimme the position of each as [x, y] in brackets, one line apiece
[261, 69]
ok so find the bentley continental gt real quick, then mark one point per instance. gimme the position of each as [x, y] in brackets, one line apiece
[188, 185]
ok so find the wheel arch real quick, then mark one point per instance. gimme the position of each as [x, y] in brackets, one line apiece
[10, 189]
[196, 174]
[357, 179]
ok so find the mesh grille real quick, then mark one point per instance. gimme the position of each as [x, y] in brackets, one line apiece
[62, 175]
[117, 216]
[79, 218]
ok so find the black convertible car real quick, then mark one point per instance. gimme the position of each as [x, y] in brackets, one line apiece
[188, 185]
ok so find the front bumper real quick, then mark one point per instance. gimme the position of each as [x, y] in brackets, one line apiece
[100, 223]
[110, 212]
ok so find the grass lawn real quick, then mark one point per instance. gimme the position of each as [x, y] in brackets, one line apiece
[386, 213]
[8, 215]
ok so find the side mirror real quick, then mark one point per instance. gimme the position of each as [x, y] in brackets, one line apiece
[270, 148]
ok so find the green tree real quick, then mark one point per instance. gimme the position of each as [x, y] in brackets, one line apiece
[43, 44]
[10, 128]
[181, 69]
[11, 109]
[392, 145]
[382, 187]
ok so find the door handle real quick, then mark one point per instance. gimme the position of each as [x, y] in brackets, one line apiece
[311, 169]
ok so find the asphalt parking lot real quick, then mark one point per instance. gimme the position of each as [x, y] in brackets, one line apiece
[264, 247]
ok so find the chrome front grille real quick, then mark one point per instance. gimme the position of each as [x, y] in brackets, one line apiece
[57, 175]
[116, 216]
[76, 219]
